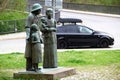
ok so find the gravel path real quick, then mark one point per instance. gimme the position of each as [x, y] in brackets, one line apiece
[105, 73]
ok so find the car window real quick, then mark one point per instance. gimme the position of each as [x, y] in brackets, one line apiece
[85, 30]
[68, 29]
[60, 30]
[72, 29]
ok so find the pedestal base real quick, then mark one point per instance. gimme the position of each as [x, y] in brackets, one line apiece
[46, 74]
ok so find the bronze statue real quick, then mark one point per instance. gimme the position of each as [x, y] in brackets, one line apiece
[50, 47]
[36, 47]
[32, 19]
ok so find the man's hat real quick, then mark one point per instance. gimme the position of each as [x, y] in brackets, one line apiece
[36, 6]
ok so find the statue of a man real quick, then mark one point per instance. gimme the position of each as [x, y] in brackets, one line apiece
[32, 19]
[36, 47]
[50, 42]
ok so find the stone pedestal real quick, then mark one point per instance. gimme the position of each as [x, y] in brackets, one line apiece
[45, 74]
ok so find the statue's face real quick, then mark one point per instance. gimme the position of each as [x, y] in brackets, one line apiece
[37, 12]
[34, 28]
[49, 13]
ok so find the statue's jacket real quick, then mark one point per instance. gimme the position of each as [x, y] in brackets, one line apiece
[30, 20]
[36, 47]
[50, 48]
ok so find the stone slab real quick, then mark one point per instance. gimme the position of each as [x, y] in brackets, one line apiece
[45, 74]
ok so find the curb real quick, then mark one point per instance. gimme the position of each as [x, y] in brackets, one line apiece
[92, 13]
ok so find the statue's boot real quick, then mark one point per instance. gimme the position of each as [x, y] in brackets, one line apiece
[29, 64]
[36, 69]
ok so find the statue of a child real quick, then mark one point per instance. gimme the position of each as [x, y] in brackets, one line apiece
[36, 47]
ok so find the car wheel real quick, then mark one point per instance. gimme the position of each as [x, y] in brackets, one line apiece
[104, 43]
[62, 44]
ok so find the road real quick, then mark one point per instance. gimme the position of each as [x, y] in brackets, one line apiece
[16, 45]
[101, 23]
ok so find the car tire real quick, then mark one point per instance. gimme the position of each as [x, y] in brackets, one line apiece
[104, 43]
[62, 44]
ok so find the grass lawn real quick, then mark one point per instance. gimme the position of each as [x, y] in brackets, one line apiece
[106, 62]
[12, 15]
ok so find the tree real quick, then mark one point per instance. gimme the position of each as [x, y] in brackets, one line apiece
[3, 4]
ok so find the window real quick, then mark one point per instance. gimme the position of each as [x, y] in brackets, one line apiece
[60, 30]
[85, 30]
[72, 29]
[68, 29]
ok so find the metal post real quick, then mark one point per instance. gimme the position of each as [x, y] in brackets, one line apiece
[15, 27]
[53, 5]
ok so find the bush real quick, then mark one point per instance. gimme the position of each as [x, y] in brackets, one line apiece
[12, 26]
[16, 21]
[12, 15]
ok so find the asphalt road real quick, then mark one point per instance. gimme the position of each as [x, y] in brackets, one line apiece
[16, 45]
[100, 23]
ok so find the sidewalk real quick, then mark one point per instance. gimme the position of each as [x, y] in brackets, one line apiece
[14, 42]
[20, 35]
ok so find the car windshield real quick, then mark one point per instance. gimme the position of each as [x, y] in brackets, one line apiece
[86, 30]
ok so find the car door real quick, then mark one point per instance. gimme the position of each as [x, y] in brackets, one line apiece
[72, 35]
[67, 33]
[87, 37]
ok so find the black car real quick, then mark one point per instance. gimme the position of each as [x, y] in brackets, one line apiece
[73, 35]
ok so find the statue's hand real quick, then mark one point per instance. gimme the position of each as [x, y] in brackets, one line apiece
[28, 39]
[46, 28]
[53, 29]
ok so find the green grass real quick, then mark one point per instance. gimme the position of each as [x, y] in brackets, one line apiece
[8, 12]
[12, 15]
[67, 58]
[81, 60]
[19, 5]
[14, 19]
[12, 61]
